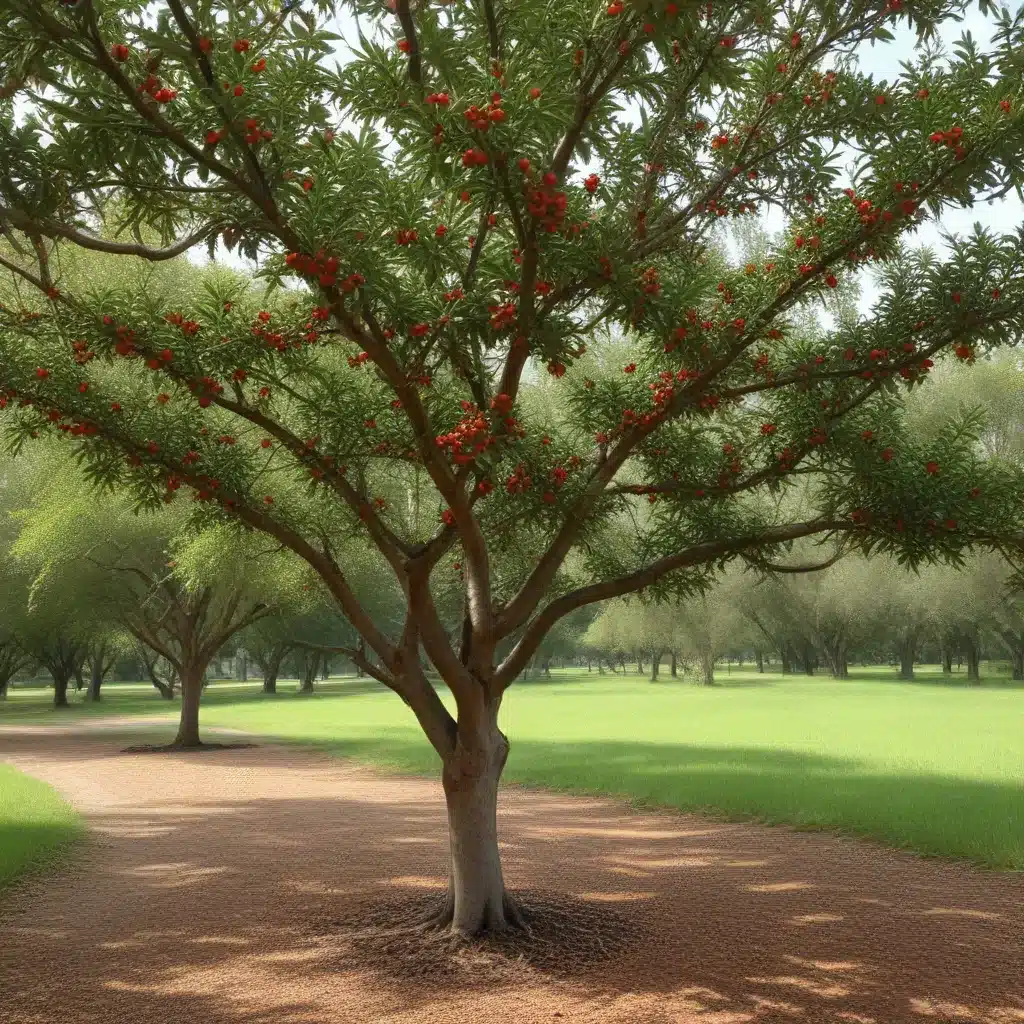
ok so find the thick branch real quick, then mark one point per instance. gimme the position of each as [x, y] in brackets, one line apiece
[25, 223]
[700, 554]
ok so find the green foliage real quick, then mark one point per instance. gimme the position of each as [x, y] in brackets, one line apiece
[372, 401]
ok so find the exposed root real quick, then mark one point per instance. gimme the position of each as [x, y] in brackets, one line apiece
[515, 916]
[414, 940]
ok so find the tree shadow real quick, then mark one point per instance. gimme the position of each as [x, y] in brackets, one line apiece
[243, 887]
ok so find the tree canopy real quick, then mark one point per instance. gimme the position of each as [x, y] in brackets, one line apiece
[499, 344]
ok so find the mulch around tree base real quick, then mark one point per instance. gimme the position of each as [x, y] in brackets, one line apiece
[277, 886]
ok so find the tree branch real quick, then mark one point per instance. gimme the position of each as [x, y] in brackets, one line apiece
[699, 554]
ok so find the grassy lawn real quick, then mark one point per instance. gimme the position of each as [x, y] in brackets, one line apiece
[932, 766]
[36, 825]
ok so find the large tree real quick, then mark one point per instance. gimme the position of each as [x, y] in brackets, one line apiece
[482, 191]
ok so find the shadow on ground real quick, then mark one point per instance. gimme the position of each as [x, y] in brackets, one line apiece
[259, 885]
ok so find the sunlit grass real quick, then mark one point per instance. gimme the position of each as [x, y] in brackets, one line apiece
[36, 825]
[932, 766]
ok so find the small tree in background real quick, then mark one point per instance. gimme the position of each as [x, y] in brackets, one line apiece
[182, 595]
[441, 241]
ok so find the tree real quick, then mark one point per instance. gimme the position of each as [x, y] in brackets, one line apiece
[390, 372]
[182, 595]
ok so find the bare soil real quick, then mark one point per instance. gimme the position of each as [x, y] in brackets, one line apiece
[272, 884]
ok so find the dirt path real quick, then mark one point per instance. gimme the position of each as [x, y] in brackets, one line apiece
[218, 885]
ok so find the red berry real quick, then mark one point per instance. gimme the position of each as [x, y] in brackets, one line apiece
[524, 165]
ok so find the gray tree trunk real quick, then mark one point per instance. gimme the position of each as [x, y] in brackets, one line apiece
[95, 678]
[707, 668]
[477, 900]
[759, 657]
[908, 652]
[674, 667]
[972, 655]
[656, 657]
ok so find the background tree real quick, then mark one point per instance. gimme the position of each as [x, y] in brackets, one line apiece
[180, 594]
[450, 239]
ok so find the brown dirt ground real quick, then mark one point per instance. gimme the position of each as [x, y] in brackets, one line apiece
[241, 885]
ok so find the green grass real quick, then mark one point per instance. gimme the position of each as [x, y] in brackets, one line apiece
[930, 766]
[36, 825]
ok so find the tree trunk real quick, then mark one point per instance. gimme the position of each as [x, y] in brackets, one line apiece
[707, 668]
[95, 677]
[973, 658]
[908, 650]
[310, 665]
[808, 661]
[188, 724]
[271, 669]
[476, 898]
[656, 657]
[639, 665]
[787, 663]
[674, 666]
[1016, 662]
[947, 661]
[60, 690]
[836, 653]
[759, 657]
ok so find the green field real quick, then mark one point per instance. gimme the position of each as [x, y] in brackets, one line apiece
[932, 766]
[36, 825]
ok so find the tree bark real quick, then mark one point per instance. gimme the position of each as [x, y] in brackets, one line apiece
[759, 657]
[1017, 664]
[95, 678]
[476, 897]
[947, 661]
[674, 667]
[973, 657]
[271, 668]
[60, 690]
[188, 724]
[836, 653]
[908, 651]
[310, 664]
[656, 657]
[787, 663]
[707, 668]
